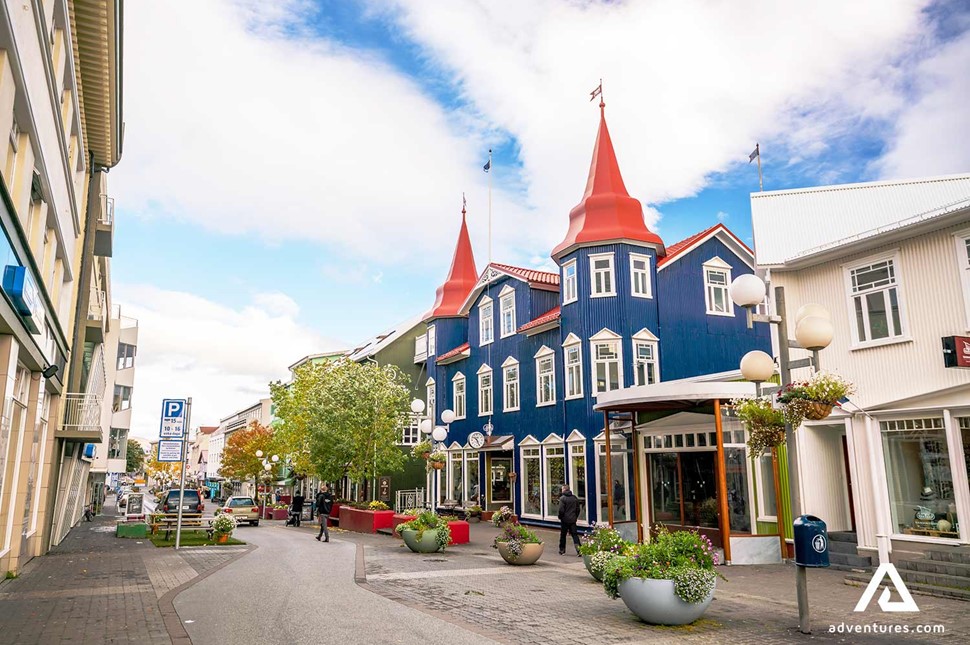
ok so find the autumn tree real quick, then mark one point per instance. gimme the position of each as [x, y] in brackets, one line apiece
[239, 460]
[165, 473]
[135, 457]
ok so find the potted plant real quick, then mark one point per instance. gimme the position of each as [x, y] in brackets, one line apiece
[473, 514]
[223, 526]
[518, 545]
[377, 505]
[599, 547]
[766, 425]
[813, 399]
[503, 516]
[667, 581]
[422, 449]
[437, 460]
[280, 511]
[427, 533]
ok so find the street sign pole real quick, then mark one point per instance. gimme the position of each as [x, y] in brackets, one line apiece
[185, 438]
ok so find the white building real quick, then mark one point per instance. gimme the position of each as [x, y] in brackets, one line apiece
[261, 412]
[891, 262]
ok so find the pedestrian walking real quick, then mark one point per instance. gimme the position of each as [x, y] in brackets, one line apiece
[296, 512]
[324, 504]
[568, 515]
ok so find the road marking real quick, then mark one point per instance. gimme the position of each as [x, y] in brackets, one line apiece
[448, 573]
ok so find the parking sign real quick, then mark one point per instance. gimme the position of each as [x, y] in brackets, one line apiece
[173, 419]
[169, 450]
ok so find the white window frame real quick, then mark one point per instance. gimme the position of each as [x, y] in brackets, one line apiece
[410, 433]
[570, 284]
[610, 273]
[530, 443]
[644, 338]
[962, 241]
[543, 355]
[763, 516]
[486, 324]
[431, 340]
[903, 332]
[717, 265]
[507, 311]
[459, 399]
[551, 443]
[430, 392]
[644, 273]
[486, 395]
[507, 367]
[576, 443]
[572, 371]
[605, 337]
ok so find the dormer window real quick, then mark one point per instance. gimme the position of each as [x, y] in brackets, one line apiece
[640, 276]
[485, 322]
[607, 367]
[717, 279]
[569, 282]
[602, 283]
[646, 368]
[507, 311]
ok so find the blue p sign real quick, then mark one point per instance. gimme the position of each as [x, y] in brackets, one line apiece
[172, 408]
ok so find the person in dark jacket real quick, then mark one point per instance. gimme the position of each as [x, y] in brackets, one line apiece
[568, 515]
[324, 503]
[297, 508]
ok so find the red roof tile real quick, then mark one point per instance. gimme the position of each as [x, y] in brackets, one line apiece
[548, 317]
[684, 245]
[454, 352]
[534, 277]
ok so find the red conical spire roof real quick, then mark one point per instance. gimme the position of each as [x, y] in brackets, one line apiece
[461, 278]
[607, 212]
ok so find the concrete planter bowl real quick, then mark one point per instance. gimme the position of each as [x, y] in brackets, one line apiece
[530, 553]
[597, 576]
[427, 544]
[656, 602]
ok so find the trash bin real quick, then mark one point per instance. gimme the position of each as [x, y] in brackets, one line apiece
[811, 542]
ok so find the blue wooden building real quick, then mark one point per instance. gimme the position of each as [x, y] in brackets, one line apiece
[521, 355]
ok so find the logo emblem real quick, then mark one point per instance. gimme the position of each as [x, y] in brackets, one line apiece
[906, 604]
[818, 543]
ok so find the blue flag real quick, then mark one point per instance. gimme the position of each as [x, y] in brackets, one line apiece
[487, 166]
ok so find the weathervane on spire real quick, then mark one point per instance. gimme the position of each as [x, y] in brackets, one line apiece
[598, 92]
[463, 203]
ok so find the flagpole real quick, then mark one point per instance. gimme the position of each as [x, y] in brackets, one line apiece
[490, 205]
[761, 185]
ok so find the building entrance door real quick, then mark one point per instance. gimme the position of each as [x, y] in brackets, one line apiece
[499, 485]
[683, 492]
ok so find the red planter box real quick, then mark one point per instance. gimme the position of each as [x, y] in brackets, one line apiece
[459, 532]
[280, 513]
[266, 513]
[361, 521]
[400, 518]
[334, 514]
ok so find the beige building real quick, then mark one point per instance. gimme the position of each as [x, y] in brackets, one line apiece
[891, 263]
[60, 109]
[261, 412]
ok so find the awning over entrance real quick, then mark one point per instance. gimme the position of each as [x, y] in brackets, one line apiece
[672, 395]
[498, 442]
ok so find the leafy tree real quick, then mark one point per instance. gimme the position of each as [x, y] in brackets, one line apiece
[239, 460]
[135, 457]
[166, 473]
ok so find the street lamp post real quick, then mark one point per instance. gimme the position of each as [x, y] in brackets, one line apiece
[425, 424]
[813, 332]
[267, 474]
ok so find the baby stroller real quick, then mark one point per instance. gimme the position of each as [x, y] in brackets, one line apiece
[294, 514]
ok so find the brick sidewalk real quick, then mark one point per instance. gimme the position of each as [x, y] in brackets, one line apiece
[557, 601]
[96, 588]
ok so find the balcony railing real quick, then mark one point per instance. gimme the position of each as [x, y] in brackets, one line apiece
[107, 210]
[96, 307]
[82, 412]
[421, 348]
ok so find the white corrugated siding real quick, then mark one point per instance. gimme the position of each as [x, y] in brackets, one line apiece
[934, 307]
[787, 223]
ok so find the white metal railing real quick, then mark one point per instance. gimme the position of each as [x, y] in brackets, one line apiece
[97, 375]
[82, 412]
[420, 348]
[107, 210]
[97, 305]
[404, 499]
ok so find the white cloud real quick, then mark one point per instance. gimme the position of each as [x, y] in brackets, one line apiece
[721, 216]
[222, 357]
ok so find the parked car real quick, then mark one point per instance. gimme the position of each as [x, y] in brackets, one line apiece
[191, 502]
[244, 509]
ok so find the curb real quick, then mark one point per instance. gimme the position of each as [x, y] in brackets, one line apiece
[166, 604]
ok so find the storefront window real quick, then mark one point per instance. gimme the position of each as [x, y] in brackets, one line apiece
[555, 478]
[455, 459]
[577, 476]
[736, 473]
[531, 482]
[921, 495]
[767, 501]
[471, 479]
[620, 487]
[664, 488]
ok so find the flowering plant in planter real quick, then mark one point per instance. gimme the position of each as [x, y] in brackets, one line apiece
[766, 425]
[437, 460]
[599, 547]
[684, 557]
[813, 399]
[515, 536]
[429, 521]
[502, 516]
[224, 524]
[422, 449]
[378, 506]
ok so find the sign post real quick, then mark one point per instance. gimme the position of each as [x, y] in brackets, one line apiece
[172, 437]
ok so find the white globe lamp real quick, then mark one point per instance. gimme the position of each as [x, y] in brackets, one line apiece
[259, 453]
[425, 426]
[417, 406]
[748, 290]
[276, 458]
[439, 434]
[268, 467]
[757, 366]
[448, 416]
[811, 309]
[814, 332]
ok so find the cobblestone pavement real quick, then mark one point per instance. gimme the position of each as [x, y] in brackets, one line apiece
[96, 588]
[557, 601]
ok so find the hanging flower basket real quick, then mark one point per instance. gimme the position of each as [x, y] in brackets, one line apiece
[816, 411]
[764, 438]
[813, 399]
[765, 424]
[436, 460]
[437, 465]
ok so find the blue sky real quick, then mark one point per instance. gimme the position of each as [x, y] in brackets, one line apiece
[293, 171]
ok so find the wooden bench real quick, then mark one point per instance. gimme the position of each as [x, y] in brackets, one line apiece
[168, 522]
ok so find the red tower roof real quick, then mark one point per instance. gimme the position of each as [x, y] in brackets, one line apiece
[606, 212]
[461, 279]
